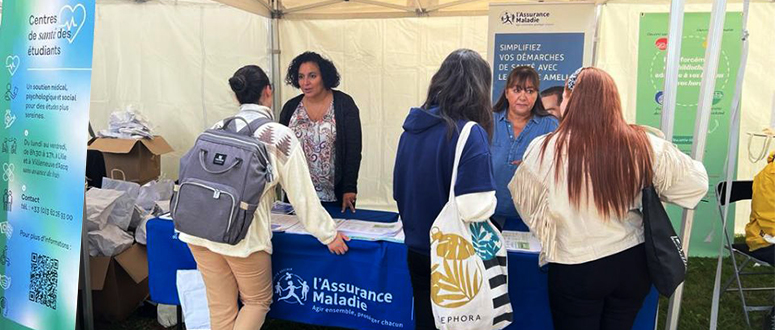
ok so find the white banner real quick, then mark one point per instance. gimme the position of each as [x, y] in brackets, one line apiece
[555, 39]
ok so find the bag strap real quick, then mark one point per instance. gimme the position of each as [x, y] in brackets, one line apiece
[250, 127]
[254, 125]
[461, 144]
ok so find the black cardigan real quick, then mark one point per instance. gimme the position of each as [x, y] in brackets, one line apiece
[348, 140]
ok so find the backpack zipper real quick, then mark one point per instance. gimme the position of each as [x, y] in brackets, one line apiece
[216, 195]
[262, 151]
[232, 139]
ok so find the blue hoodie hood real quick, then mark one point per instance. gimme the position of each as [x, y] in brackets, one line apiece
[420, 120]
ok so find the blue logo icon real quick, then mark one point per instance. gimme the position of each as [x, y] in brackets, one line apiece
[291, 288]
[660, 97]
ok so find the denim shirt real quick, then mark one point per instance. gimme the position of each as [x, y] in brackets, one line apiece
[507, 148]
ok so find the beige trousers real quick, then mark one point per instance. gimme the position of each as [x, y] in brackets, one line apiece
[228, 279]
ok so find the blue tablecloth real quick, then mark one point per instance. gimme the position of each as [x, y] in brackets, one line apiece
[368, 288]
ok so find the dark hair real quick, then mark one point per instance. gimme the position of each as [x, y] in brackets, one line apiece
[461, 90]
[327, 70]
[519, 77]
[554, 91]
[248, 83]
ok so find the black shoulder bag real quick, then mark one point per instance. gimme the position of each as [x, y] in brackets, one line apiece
[664, 253]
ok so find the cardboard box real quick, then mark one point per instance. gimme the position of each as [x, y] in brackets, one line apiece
[131, 159]
[119, 283]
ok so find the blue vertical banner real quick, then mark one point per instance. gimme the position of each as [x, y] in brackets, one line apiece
[554, 39]
[46, 48]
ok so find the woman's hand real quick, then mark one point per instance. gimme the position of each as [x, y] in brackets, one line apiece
[348, 201]
[338, 246]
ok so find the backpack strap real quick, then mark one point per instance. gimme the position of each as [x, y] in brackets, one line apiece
[230, 124]
[253, 126]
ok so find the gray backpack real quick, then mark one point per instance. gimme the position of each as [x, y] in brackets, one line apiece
[221, 180]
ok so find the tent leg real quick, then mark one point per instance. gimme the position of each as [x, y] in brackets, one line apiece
[276, 79]
[674, 39]
[86, 298]
[707, 87]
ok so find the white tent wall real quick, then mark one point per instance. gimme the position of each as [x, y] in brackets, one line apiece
[385, 65]
[171, 60]
[617, 54]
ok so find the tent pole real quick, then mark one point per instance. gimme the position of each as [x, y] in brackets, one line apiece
[673, 62]
[734, 137]
[386, 5]
[276, 79]
[312, 6]
[449, 4]
[87, 309]
[707, 87]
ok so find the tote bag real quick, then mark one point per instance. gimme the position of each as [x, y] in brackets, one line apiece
[469, 274]
[664, 251]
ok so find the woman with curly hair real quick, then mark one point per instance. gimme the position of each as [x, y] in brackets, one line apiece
[327, 123]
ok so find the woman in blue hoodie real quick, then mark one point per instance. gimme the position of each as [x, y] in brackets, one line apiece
[458, 93]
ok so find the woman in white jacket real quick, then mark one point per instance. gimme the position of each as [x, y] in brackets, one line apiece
[244, 271]
[579, 191]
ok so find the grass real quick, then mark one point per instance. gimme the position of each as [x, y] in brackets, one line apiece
[698, 293]
[695, 308]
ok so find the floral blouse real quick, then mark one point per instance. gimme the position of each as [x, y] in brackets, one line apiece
[318, 139]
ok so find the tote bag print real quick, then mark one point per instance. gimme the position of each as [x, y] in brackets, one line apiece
[468, 267]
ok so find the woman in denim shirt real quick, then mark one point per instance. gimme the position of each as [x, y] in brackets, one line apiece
[518, 118]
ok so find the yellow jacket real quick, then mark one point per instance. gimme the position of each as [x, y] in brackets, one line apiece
[762, 208]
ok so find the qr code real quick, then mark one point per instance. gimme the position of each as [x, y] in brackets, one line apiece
[44, 275]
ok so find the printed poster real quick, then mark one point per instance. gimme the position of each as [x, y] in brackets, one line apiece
[652, 51]
[46, 49]
[554, 39]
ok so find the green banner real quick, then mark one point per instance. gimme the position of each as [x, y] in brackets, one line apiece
[652, 46]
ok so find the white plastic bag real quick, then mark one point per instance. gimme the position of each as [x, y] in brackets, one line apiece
[193, 299]
[121, 215]
[140, 232]
[99, 206]
[167, 315]
[152, 192]
[128, 124]
[468, 266]
[109, 241]
[164, 188]
[138, 215]
[163, 206]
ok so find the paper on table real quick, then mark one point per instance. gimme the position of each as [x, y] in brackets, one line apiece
[398, 238]
[299, 229]
[370, 229]
[282, 208]
[283, 222]
[522, 241]
[356, 229]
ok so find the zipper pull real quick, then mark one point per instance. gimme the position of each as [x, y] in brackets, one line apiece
[216, 194]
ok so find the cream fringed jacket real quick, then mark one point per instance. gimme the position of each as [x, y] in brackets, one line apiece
[572, 235]
[289, 166]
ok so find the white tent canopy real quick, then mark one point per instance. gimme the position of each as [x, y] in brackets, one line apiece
[330, 9]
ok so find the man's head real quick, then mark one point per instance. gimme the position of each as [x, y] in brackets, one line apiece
[552, 98]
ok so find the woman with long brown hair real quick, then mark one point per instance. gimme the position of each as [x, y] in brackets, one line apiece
[578, 189]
